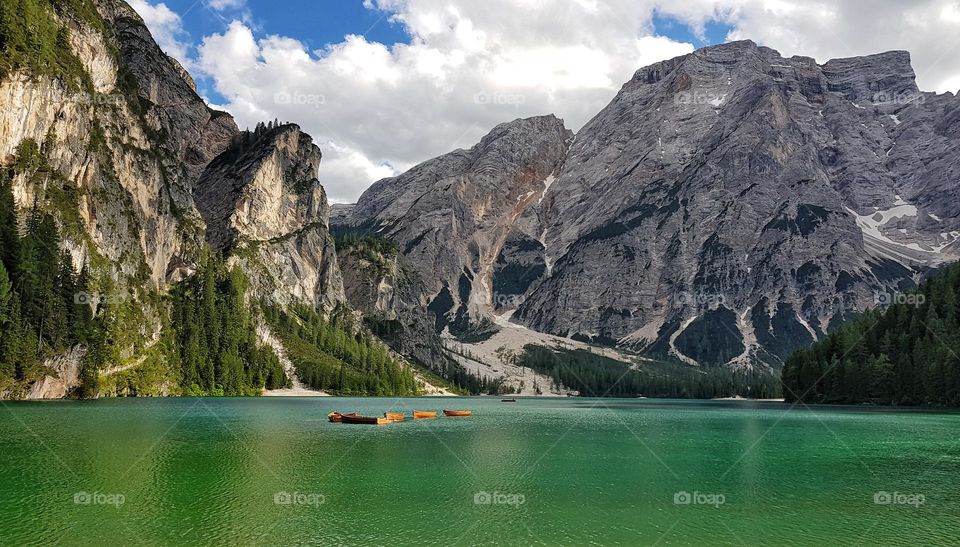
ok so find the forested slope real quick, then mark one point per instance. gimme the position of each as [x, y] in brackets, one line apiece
[908, 354]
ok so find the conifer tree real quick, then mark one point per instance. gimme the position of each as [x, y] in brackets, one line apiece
[906, 354]
[9, 238]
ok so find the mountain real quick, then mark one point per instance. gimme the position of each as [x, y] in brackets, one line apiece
[907, 354]
[730, 206]
[149, 246]
[103, 135]
[446, 221]
[452, 215]
[726, 208]
[262, 202]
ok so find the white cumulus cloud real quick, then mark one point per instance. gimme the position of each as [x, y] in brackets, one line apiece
[221, 5]
[470, 65]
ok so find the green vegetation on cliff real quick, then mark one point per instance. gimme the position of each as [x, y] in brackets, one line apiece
[43, 308]
[908, 354]
[371, 246]
[48, 307]
[32, 39]
[328, 357]
[215, 336]
[379, 251]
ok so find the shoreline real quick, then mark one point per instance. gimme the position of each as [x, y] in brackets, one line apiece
[776, 400]
[294, 392]
[314, 395]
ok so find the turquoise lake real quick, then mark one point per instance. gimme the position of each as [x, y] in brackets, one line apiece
[566, 471]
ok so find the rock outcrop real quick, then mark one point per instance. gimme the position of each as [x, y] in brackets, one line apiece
[393, 299]
[62, 376]
[261, 199]
[130, 146]
[263, 187]
[452, 215]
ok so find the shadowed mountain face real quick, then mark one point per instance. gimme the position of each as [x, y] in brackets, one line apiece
[727, 207]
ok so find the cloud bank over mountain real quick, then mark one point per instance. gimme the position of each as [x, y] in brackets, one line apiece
[376, 110]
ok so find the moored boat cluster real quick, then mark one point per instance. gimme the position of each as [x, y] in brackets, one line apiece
[391, 417]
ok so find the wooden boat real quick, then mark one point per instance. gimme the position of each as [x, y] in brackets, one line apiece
[457, 412]
[395, 416]
[508, 400]
[357, 419]
[417, 414]
[338, 417]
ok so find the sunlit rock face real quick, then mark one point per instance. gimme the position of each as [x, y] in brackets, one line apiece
[452, 216]
[731, 205]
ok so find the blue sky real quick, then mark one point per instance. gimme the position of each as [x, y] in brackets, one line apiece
[714, 32]
[321, 22]
[315, 22]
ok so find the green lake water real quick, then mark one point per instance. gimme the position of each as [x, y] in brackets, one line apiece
[548, 471]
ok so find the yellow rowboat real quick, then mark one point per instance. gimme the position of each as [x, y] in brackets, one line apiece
[457, 412]
[395, 416]
[417, 414]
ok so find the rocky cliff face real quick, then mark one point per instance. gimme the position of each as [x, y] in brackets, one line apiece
[732, 205]
[63, 377]
[129, 146]
[727, 207]
[262, 200]
[451, 216]
[263, 187]
[392, 297]
[126, 150]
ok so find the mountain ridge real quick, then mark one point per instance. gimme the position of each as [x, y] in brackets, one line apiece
[735, 135]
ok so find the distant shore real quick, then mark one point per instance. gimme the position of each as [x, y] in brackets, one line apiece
[294, 392]
[780, 400]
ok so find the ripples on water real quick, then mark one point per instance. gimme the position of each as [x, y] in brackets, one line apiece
[556, 471]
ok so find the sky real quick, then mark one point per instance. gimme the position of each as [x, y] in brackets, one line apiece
[382, 85]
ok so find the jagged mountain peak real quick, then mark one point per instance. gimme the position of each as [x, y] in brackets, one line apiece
[729, 54]
[532, 124]
[767, 187]
[748, 53]
[452, 215]
[509, 159]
